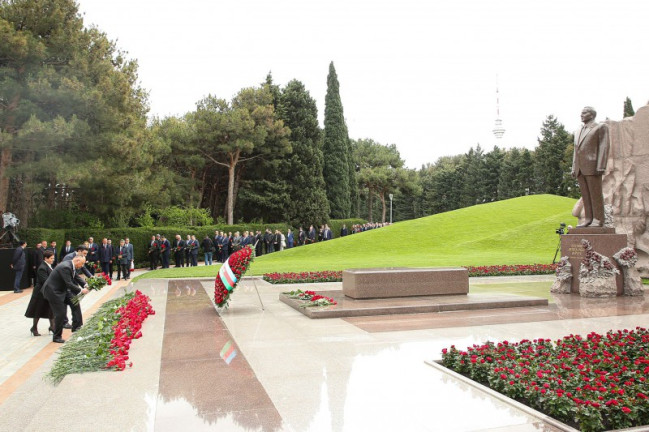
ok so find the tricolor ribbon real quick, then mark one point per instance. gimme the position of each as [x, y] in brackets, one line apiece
[227, 276]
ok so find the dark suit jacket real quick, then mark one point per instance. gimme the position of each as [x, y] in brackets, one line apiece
[105, 253]
[591, 150]
[42, 274]
[36, 258]
[19, 259]
[62, 279]
[64, 252]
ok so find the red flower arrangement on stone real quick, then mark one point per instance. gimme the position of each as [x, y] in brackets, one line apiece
[311, 299]
[230, 274]
[595, 383]
[131, 317]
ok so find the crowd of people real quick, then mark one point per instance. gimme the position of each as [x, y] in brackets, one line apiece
[56, 278]
[185, 252]
[55, 273]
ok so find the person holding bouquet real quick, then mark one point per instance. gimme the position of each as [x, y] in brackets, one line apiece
[154, 252]
[55, 289]
[179, 250]
[121, 260]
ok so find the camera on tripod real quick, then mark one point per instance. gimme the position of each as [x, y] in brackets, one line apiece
[562, 229]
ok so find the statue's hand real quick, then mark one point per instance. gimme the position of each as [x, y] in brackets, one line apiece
[573, 174]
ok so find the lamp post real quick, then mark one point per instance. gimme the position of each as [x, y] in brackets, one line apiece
[391, 196]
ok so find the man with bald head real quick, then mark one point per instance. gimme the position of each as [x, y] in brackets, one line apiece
[588, 166]
[55, 288]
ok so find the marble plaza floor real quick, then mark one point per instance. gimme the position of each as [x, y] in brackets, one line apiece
[248, 369]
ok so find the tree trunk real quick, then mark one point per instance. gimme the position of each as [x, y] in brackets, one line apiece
[5, 161]
[382, 196]
[369, 205]
[234, 159]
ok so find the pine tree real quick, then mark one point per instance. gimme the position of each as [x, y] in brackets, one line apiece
[549, 164]
[308, 198]
[336, 151]
[628, 108]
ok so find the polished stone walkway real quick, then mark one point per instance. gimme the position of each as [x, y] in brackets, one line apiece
[289, 373]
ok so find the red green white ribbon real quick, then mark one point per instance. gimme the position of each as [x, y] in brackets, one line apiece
[227, 276]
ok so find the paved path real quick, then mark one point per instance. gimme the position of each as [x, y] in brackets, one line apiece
[298, 374]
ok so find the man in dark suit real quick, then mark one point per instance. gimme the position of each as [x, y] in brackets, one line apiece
[301, 237]
[52, 247]
[68, 248]
[121, 259]
[154, 252]
[259, 243]
[18, 264]
[269, 240]
[588, 166]
[179, 250]
[105, 256]
[193, 251]
[75, 309]
[35, 260]
[131, 256]
[225, 247]
[63, 279]
[311, 235]
[93, 253]
[165, 250]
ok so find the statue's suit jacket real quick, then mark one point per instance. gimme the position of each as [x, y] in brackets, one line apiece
[591, 150]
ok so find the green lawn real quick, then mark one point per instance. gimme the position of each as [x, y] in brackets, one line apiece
[515, 231]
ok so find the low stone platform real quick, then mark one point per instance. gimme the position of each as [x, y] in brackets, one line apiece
[390, 282]
[348, 307]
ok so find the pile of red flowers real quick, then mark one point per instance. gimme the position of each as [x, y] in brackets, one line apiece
[129, 326]
[239, 263]
[595, 383]
[304, 277]
[512, 270]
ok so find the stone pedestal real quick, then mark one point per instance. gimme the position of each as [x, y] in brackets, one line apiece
[404, 282]
[603, 240]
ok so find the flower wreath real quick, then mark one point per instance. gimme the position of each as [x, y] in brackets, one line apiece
[230, 274]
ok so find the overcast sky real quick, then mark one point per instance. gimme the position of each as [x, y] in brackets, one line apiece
[415, 73]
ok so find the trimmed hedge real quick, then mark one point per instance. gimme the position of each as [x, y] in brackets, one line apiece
[140, 237]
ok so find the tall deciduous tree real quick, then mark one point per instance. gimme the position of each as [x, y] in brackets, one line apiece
[336, 151]
[229, 134]
[308, 203]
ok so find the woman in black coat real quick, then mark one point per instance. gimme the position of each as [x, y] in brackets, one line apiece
[38, 306]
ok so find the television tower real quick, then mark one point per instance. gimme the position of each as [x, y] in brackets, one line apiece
[498, 130]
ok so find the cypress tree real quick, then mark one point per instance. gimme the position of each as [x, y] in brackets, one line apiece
[308, 204]
[628, 108]
[336, 151]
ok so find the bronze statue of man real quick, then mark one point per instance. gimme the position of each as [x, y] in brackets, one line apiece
[589, 164]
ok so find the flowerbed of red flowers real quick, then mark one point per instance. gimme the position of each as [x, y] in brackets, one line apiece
[594, 383]
[129, 326]
[512, 270]
[337, 276]
[239, 263]
[304, 277]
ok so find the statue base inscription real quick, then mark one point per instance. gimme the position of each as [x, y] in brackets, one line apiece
[604, 242]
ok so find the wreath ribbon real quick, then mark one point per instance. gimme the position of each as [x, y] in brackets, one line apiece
[227, 276]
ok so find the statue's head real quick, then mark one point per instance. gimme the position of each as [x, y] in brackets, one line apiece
[588, 114]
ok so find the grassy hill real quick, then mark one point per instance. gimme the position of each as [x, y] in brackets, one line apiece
[515, 231]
